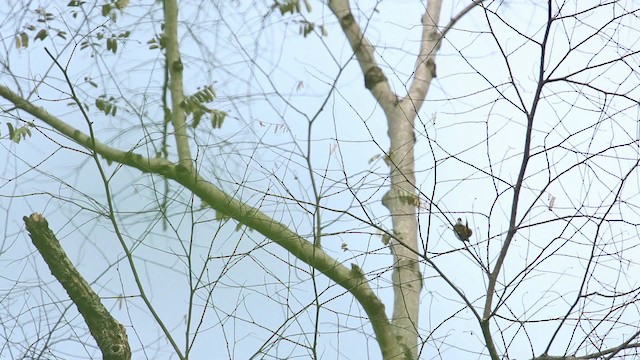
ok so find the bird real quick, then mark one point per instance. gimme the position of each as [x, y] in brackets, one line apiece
[463, 232]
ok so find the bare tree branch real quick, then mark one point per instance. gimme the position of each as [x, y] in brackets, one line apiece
[109, 334]
[175, 67]
[241, 212]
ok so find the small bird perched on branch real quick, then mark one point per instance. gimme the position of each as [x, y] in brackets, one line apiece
[463, 232]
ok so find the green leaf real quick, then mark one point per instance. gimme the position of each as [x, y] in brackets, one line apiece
[217, 117]
[91, 82]
[25, 39]
[374, 158]
[107, 106]
[306, 28]
[106, 9]
[112, 45]
[121, 4]
[12, 132]
[42, 34]
[16, 135]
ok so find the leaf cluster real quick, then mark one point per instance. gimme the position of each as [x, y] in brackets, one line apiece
[194, 105]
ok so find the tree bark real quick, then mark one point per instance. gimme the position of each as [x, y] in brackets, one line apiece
[109, 334]
[402, 197]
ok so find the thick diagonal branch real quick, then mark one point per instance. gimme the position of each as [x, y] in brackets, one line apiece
[237, 210]
[109, 334]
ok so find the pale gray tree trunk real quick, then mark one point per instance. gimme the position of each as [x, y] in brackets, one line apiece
[402, 198]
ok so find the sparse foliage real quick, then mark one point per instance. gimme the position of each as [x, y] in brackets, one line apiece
[317, 212]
